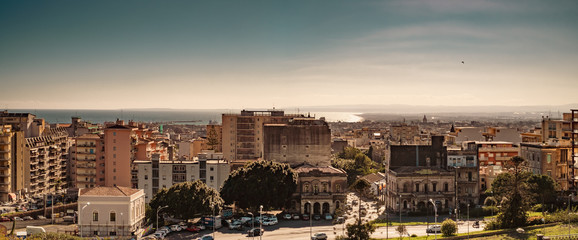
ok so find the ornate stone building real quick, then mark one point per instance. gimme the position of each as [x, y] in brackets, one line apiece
[319, 189]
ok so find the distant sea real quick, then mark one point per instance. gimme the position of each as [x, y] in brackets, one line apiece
[201, 117]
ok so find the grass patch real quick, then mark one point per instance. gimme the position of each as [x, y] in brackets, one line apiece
[396, 223]
[560, 229]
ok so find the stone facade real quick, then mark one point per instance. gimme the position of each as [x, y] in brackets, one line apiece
[319, 189]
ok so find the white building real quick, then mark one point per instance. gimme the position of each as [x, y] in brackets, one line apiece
[155, 175]
[110, 211]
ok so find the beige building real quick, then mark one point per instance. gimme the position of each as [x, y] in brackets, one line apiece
[154, 175]
[298, 141]
[49, 157]
[242, 134]
[320, 190]
[111, 211]
[89, 170]
[549, 159]
[14, 179]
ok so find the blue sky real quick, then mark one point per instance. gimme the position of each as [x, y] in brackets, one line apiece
[239, 54]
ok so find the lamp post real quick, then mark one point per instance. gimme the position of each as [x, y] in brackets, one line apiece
[80, 217]
[260, 221]
[310, 221]
[158, 210]
[399, 214]
[435, 216]
[468, 223]
[214, 219]
[569, 197]
[252, 223]
[121, 225]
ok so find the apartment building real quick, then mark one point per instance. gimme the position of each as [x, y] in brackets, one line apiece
[155, 174]
[496, 153]
[301, 140]
[119, 142]
[320, 190]
[13, 164]
[89, 170]
[549, 159]
[464, 163]
[49, 156]
[242, 134]
[111, 211]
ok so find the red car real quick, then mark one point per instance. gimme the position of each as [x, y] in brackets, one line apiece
[5, 219]
[193, 229]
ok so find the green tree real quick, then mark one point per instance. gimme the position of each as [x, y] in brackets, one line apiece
[186, 200]
[360, 230]
[264, 183]
[212, 139]
[449, 228]
[361, 187]
[513, 189]
[402, 230]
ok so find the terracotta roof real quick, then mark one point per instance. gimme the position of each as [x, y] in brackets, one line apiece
[108, 191]
[89, 135]
[120, 127]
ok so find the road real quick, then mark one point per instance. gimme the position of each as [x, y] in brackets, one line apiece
[297, 229]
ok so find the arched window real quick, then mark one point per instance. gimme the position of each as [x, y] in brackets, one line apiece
[316, 188]
[325, 187]
[95, 216]
[112, 216]
[306, 188]
[338, 188]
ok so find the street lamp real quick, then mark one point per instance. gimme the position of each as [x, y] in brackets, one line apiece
[310, 221]
[80, 217]
[569, 197]
[121, 225]
[399, 214]
[214, 219]
[260, 221]
[468, 223]
[435, 216]
[252, 223]
[158, 210]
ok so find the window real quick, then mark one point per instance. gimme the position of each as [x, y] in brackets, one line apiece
[338, 188]
[446, 187]
[316, 188]
[434, 187]
[114, 170]
[114, 155]
[417, 187]
[95, 233]
[95, 216]
[112, 216]
[212, 169]
[114, 148]
[549, 158]
[306, 188]
[146, 177]
[114, 133]
[211, 178]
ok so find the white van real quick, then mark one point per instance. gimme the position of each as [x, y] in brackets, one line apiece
[34, 229]
[434, 229]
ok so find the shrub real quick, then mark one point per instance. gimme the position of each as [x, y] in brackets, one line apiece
[535, 220]
[492, 225]
[449, 228]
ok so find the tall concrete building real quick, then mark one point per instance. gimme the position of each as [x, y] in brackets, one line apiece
[119, 142]
[301, 140]
[548, 159]
[49, 156]
[88, 161]
[242, 136]
[14, 165]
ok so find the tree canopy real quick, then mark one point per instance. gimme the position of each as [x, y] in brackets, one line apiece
[359, 230]
[355, 163]
[264, 183]
[186, 200]
[513, 193]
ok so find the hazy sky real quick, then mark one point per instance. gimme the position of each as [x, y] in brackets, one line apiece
[235, 54]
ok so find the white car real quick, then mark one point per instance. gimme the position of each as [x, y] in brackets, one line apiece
[434, 229]
[159, 235]
[176, 228]
[270, 222]
[319, 236]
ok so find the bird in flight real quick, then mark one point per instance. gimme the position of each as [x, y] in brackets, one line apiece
[462, 62]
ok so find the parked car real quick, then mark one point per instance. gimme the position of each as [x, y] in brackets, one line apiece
[176, 228]
[18, 219]
[255, 232]
[28, 218]
[193, 229]
[159, 235]
[305, 217]
[4, 219]
[319, 236]
[434, 229]
[328, 216]
[236, 225]
[339, 220]
[296, 217]
[206, 237]
[316, 217]
[287, 216]
[40, 217]
[246, 219]
[270, 222]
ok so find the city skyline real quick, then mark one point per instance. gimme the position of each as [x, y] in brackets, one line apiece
[258, 54]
